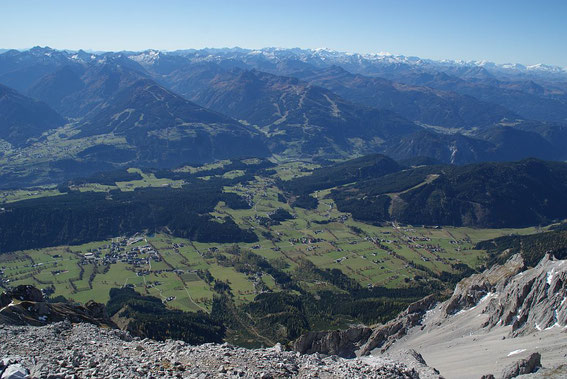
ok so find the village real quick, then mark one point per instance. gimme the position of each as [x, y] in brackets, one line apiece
[119, 251]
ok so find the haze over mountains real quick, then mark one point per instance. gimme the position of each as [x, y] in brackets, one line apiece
[162, 109]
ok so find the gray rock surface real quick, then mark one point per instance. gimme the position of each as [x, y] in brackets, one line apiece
[15, 371]
[471, 290]
[533, 300]
[414, 360]
[493, 320]
[523, 366]
[64, 350]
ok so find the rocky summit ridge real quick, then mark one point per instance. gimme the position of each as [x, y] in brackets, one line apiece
[66, 350]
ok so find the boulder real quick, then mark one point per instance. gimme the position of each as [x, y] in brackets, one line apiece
[15, 371]
[523, 366]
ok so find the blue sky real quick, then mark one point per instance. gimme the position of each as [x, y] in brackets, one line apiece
[498, 30]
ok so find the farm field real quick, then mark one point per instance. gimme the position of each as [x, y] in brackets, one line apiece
[185, 273]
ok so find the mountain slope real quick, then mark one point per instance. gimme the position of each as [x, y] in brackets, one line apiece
[495, 143]
[497, 322]
[545, 104]
[496, 195]
[76, 89]
[22, 118]
[296, 115]
[416, 103]
[166, 129]
[21, 69]
[494, 319]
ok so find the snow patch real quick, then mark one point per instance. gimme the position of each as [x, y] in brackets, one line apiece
[516, 352]
[556, 325]
[550, 275]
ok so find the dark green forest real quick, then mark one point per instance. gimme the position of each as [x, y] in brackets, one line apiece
[487, 195]
[532, 247]
[76, 218]
[148, 317]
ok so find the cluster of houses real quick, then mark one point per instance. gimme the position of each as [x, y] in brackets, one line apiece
[115, 252]
[305, 240]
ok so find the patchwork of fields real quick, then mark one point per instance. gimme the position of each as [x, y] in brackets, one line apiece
[177, 270]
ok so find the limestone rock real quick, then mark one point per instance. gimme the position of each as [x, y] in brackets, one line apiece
[15, 371]
[534, 300]
[471, 290]
[85, 350]
[523, 366]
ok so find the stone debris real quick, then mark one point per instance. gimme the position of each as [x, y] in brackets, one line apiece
[65, 350]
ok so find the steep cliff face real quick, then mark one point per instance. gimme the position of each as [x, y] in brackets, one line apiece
[470, 291]
[533, 300]
[529, 301]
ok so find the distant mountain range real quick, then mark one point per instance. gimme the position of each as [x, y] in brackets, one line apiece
[156, 108]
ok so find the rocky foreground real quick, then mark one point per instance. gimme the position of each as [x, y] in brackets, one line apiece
[66, 350]
[508, 321]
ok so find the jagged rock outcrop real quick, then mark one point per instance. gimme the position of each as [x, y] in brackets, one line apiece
[471, 290]
[533, 300]
[25, 305]
[496, 318]
[343, 343]
[85, 350]
[360, 341]
[383, 336]
[528, 300]
[523, 366]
